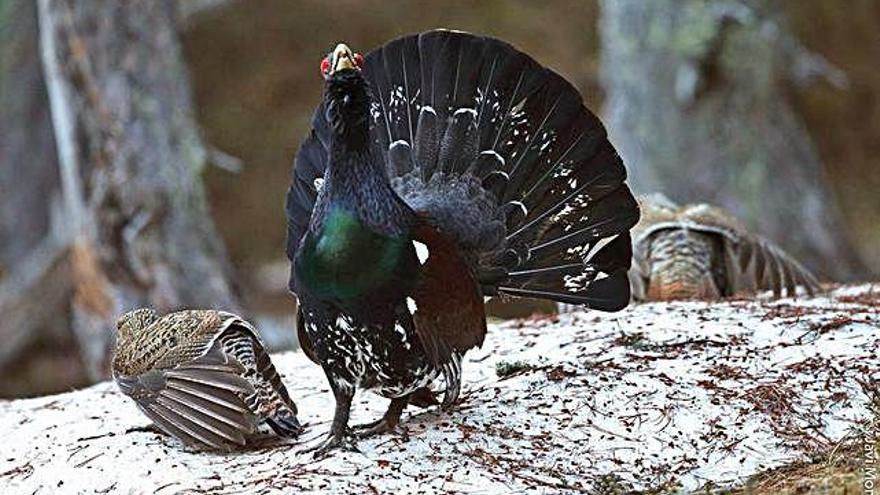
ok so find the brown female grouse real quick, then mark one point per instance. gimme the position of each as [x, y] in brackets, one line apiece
[202, 376]
[699, 251]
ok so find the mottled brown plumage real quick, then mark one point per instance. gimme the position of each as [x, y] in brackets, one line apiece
[700, 251]
[202, 376]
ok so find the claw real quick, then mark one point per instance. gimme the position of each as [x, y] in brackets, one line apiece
[367, 426]
[346, 441]
[380, 427]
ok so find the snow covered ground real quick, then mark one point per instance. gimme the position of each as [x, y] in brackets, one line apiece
[674, 395]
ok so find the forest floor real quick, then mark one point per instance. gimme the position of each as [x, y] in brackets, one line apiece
[744, 396]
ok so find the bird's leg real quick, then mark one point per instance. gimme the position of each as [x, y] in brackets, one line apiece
[388, 422]
[340, 435]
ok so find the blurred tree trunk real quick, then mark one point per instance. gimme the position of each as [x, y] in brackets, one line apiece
[697, 105]
[33, 267]
[133, 220]
[25, 135]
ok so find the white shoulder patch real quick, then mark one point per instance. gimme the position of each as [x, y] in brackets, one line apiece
[411, 304]
[421, 251]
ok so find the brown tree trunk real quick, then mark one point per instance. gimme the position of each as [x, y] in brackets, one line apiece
[25, 136]
[136, 229]
[697, 105]
[33, 268]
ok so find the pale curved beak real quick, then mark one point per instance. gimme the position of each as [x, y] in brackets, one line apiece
[342, 58]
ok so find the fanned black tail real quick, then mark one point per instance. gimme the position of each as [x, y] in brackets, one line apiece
[501, 152]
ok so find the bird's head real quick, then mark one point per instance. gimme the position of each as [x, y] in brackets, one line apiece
[341, 59]
[346, 95]
[131, 323]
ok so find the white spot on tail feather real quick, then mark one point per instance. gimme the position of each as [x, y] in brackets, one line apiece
[421, 251]
[503, 174]
[495, 155]
[521, 207]
[466, 110]
[399, 142]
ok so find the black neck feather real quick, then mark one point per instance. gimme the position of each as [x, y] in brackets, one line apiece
[356, 177]
[347, 110]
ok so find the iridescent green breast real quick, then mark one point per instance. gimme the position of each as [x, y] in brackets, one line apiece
[347, 260]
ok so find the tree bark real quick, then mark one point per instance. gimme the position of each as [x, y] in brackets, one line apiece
[34, 282]
[137, 228]
[25, 136]
[697, 106]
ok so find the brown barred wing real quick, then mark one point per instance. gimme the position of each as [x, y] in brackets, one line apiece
[754, 263]
[201, 403]
[270, 400]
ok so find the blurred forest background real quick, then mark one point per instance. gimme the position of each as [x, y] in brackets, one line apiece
[127, 127]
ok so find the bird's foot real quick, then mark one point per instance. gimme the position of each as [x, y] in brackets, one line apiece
[345, 440]
[366, 426]
[380, 427]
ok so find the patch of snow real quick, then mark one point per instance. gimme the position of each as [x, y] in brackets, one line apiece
[684, 393]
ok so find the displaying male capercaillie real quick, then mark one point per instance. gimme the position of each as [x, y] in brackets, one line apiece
[700, 251]
[442, 168]
[201, 376]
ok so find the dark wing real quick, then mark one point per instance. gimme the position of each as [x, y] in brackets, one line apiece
[200, 403]
[308, 172]
[449, 315]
